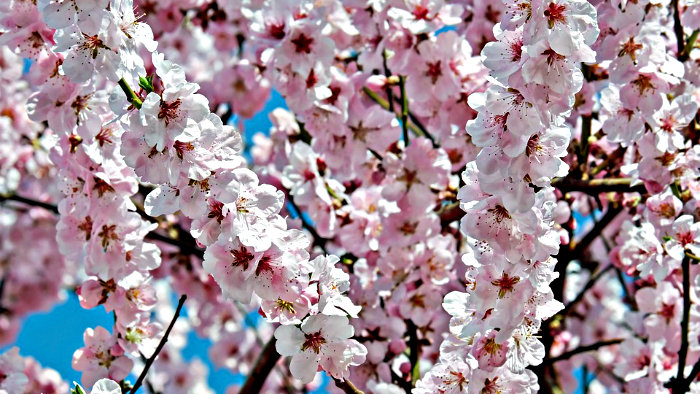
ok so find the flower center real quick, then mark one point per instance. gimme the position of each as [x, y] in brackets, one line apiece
[630, 48]
[86, 227]
[276, 30]
[285, 306]
[500, 213]
[313, 341]
[108, 234]
[420, 12]
[216, 210]
[182, 147]
[555, 13]
[643, 83]
[303, 43]
[434, 71]
[241, 257]
[102, 187]
[169, 111]
[505, 284]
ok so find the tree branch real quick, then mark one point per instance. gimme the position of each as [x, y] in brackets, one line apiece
[389, 91]
[414, 347]
[681, 384]
[595, 186]
[35, 203]
[258, 374]
[591, 281]
[678, 29]
[587, 239]
[162, 343]
[583, 349]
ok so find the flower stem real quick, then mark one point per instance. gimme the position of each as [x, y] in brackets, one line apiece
[384, 104]
[131, 97]
[404, 109]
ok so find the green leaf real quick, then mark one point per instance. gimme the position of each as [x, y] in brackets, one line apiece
[77, 389]
[676, 191]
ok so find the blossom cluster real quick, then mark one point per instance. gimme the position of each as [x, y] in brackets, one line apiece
[456, 197]
[510, 223]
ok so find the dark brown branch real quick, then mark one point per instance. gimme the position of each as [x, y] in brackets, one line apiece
[693, 373]
[258, 374]
[678, 29]
[586, 122]
[28, 201]
[162, 343]
[595, 186]
[414, 347]
[680, 384]
[587, 239]
[185, 247]
[591, 281]
[450, 213]
[583, 349]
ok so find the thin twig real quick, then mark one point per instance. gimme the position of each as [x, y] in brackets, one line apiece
[189, 247]
[404, 109]
[318, 239]
[389, 89]
[384, 104]
[583, 349]
[586, 122]
[685, 55]
[162, 343]
[347, 386]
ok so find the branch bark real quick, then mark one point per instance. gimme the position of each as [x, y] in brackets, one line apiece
[595, 186]
[161, 344]
[28, 201]
[258, 374]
